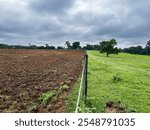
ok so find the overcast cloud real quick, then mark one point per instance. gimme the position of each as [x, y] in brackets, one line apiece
[87, 21]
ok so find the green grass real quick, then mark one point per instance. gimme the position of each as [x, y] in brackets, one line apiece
[71, 100]
[123, 77]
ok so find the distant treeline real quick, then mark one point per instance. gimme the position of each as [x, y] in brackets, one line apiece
[138, 50]
[76, 46]
[5, 46]
[133, 50]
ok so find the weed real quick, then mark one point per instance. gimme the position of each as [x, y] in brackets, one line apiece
[4, 97]
[46, 97]
[116, 78]
[64, 87]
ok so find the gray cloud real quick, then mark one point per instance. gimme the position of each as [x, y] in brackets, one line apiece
[23, 21]
[51, 7]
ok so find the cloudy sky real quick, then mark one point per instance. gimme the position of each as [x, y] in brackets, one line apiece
[87, 21]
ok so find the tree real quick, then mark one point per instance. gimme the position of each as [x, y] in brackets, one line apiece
[51, 47]
[134, 50]
[68, 44]
[148, 43]
[96, 47]
[47, 46]
[30, 47]
[76, 45]
[41, 47]
[108, 47]
[59, 48]
[89, 47]
[147, 48]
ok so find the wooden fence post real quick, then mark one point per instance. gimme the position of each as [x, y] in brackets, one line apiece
[85, 78]
[86, 71]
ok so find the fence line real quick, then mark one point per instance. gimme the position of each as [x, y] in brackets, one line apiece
[83, 78]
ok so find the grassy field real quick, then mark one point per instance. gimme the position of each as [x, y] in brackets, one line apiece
[122, 78]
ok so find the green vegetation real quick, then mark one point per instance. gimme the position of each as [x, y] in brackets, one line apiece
[73, 46]
[123, 79]
[48, 96]
[71, 100]
[64, 87]
[108, 47]
[3, 97]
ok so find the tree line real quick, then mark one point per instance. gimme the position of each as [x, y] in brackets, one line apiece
[6, 46]
[138, 49]
[108, 47]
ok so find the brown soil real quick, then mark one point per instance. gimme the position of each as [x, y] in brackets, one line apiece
[27, 74]
[112, 107]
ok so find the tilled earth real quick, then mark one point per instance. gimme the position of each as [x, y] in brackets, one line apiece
[26, 74]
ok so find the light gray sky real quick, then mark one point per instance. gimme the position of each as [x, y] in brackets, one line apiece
[87, 21]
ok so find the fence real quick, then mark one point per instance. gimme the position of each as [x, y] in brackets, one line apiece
[83, 86]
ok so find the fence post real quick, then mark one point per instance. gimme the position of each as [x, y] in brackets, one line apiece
[85, 80]
[86, 71]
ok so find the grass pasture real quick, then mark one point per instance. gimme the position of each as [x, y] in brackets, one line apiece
[123, 79]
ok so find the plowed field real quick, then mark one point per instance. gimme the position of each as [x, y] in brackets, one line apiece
[27, 76]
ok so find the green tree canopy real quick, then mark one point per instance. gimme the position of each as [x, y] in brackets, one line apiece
[148, 44]
[76, 45]
[108, 47]
[147, 48]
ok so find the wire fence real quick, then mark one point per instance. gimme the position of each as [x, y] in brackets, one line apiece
[83, 86]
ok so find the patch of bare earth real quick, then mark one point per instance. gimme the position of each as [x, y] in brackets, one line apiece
[26, 74]
[112, 107]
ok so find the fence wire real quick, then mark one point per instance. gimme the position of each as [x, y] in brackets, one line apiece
[83, 85]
